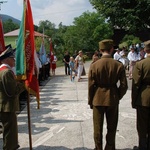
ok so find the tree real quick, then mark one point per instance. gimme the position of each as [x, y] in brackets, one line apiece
[128, 40]
[9, 26]
[131, 15]
[87, 31]
[47, 27]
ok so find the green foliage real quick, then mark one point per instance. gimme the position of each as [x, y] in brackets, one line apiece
[87, 31]
[47, 28]
[38, 42]
[131, 15]
[9, 26]
[129, 40]
[59, 63]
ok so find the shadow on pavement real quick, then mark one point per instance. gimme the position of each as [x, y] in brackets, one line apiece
[42, 147]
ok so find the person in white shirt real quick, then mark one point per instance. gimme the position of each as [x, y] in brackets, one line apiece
[117, 55]
[79, 64]
[133, 57]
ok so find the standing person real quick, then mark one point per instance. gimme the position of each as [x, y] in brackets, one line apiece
[133, 57]
[40, 69]
[142, 53]
[47, 66]
[141, 98]
[66, 61]
[54, 64]
[117, 55]
[95, 56]
[79, 64]
[104, 94]
[9, 90]
[72, 69]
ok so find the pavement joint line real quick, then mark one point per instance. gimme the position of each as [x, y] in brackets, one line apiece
[82, 133]
[46, 136]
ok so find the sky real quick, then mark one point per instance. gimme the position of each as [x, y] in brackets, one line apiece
[55, 11]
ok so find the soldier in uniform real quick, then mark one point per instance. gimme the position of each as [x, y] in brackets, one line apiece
[141, 98]
[104, 94]
[9, 89]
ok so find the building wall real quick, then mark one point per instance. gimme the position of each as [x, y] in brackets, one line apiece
[11, 40]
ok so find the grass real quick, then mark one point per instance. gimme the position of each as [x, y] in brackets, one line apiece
[59, 63]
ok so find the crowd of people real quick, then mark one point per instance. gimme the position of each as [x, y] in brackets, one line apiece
[74, 65]
[104, 93]
[46, 69]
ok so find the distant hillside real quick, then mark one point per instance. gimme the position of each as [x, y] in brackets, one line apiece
[6, 17]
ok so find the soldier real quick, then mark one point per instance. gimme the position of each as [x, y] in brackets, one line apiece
[9, 89]
[104, 94]
[141, 98]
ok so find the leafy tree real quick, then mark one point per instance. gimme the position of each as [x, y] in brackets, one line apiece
[129, 40]
[131, 15]
[9, 26]
[58, 40]
[47, 27]
[87, 31]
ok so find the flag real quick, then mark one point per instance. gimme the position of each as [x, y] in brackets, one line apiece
[25, 51]
[42, 52]
[2, 43]
[51, 52]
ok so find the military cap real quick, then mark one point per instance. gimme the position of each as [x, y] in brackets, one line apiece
[9, 52]
[106, 44]
[147, 45]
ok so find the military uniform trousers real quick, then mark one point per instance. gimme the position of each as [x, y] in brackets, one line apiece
[111, 113]
[10, 130]
[143, 127]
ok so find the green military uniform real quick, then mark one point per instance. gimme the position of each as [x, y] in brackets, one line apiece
[9, 89]
[141, 99]
[104, 95]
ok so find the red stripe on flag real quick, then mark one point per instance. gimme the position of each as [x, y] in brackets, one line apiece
[31, 82]
[2, 43]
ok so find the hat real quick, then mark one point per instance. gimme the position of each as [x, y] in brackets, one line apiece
[106, 44]
[147, 45]
[9, 52]
[80, 52]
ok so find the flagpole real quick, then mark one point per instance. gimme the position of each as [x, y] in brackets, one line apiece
[29, 122]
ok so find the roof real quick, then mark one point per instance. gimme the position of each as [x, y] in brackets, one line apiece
[16, 33]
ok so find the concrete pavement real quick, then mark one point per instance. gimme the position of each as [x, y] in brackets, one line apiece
[64, 120]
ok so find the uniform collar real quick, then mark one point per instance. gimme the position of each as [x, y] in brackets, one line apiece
[106, 56]
[5, 65]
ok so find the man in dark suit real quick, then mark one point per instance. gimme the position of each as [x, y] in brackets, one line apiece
[141, 98]
[104, 94]
[9, 89]
[66, 60]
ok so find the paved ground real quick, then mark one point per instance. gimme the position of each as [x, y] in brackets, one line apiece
[64, 120]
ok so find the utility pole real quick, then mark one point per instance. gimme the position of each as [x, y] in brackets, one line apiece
[1, 2]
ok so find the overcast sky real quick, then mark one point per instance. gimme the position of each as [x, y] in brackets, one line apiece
[55, 11]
